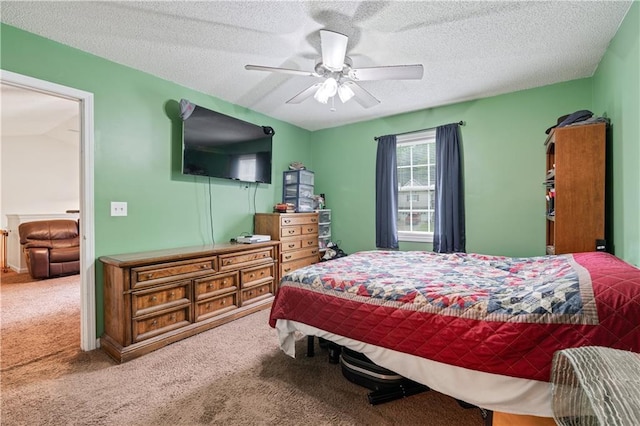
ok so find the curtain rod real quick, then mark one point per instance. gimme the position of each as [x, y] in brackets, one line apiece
[461, 123]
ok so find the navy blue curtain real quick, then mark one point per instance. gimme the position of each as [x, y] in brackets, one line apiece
[449, 230]
[386, 193]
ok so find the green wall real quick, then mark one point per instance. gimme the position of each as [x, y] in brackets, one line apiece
[504, 167]
[138, 153]
[616, 93]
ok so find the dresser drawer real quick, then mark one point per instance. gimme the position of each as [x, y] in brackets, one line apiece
[216, 284]
[257, 293]
[310, 229]
[236, 260]
[216, 306]
[287, 267]
[150, 326]
[249, 276]
[163, 272]
[288, 245]
[309, 242]
[160, 298]
[298, 219]
[290, 231]
[299, 254]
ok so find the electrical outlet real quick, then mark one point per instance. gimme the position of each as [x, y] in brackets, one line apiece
[118, 208]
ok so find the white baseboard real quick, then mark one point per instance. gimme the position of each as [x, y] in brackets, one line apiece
[17, 269]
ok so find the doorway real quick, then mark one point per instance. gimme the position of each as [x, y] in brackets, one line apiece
[88, 339]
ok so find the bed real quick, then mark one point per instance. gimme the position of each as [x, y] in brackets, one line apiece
[480, 328]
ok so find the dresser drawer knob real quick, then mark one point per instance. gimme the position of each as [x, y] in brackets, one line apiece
[292, 245]
[224, 282]
[288, 256]
[309, 229]
[314, 220]
[210, 285]
[149, 276]
[252, 275]
[203, 266]
[154, 322]
[314, 252]
[287, 269]
[173, 293]
[309, 243]
[172, 317]
[287, 221]
[261, 290]
[261, 273]
[291, 231]
[154, 298]
[207, 306]
[222, 302]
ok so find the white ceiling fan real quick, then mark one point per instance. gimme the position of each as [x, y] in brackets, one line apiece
[339, 76]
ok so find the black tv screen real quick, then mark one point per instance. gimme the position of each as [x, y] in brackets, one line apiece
[220, 146]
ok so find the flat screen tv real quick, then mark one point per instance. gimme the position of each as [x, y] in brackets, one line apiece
[220, 146]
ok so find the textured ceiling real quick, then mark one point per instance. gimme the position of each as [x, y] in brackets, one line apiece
[469, 50]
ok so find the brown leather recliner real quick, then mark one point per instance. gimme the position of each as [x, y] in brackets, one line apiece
[51, 247]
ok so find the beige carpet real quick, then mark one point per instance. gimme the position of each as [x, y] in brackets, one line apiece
[233, 375]
[39, 319]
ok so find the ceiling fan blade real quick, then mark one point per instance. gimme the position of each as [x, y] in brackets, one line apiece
[394, 72]
[361, 96]
[334, 49]
[306, 93]
[280, 70]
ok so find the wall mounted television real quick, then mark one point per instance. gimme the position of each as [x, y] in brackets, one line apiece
[220, 146]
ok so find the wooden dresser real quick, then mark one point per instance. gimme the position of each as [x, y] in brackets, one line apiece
[152, 299]
[298, 234]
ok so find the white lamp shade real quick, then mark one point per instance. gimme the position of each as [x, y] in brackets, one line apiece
[345, 93]
[326, 91]
[321, 96]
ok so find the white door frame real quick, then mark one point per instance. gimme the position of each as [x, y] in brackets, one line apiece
[88, 339]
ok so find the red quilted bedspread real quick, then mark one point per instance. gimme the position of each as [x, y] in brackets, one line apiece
[488, 313]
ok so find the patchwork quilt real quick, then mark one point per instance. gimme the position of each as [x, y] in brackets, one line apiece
[495, 314]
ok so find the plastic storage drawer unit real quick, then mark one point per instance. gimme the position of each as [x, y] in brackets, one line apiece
[324, 230]
[297, 190]
[324, 216]
[301, 204]
[303, 177]
[323, 242]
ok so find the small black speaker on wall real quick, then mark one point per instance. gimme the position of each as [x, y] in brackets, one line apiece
[601, 245]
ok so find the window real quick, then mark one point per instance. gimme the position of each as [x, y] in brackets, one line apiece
[416, 157]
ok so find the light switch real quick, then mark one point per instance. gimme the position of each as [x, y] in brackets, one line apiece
[118, 208]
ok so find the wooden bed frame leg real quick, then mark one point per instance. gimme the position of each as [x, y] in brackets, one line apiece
[310, 349]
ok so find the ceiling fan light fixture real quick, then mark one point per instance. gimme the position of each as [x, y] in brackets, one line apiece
[327, 90]
[337, 77]
[345, 93]
[320, 97]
